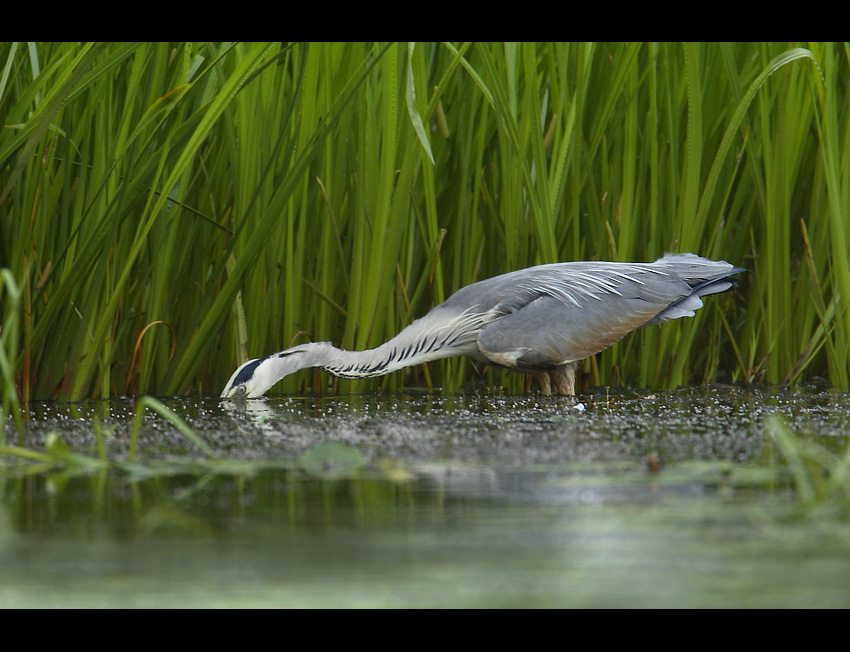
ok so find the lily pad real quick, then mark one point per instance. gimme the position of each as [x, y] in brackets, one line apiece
[332, 458]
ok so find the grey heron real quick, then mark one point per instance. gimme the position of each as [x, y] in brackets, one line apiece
[541, 320]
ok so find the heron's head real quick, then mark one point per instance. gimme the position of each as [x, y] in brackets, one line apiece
[255, 377]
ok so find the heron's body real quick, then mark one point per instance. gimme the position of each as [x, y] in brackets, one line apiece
[540, 320]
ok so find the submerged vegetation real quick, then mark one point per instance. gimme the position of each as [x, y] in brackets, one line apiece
[328, 440]
[167, 210]
[718, 497]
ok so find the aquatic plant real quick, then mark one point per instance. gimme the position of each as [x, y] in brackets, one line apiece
[169, 210]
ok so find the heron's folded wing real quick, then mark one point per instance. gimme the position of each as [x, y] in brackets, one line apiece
[548, 331]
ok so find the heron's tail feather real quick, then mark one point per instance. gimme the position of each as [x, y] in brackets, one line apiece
[705, 277]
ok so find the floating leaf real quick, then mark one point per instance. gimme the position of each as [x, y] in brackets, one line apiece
[331, 459]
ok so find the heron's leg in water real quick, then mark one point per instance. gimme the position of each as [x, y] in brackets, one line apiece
[564, 379]
[542, 380]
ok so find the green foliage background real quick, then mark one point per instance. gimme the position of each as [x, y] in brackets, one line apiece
[168, 209]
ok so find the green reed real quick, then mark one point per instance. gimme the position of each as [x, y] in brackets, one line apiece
[821, 477]
[168, 209]
[10, 293]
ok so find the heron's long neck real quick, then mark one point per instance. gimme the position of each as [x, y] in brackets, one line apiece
[420, 342]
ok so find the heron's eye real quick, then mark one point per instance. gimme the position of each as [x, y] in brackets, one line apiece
[240, 390]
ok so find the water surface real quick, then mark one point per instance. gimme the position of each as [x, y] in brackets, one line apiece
[668, 499]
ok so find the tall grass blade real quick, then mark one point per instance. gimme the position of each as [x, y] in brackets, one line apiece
[251, 196]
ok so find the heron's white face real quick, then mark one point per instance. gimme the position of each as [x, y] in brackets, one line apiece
[246, 381]
[255, 377]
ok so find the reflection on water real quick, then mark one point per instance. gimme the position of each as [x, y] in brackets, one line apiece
[428, 502]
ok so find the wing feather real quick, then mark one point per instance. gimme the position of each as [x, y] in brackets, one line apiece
[550, 315]
[559, 314]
